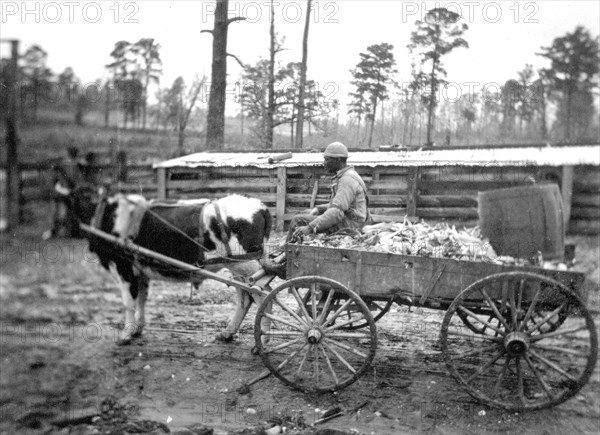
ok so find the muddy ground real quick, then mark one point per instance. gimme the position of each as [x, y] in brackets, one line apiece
[61, 371]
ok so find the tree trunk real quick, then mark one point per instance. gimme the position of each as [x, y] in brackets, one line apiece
[382, 123]
[568, 121]
[181, 142]
[372, 123]
[303, 68]
[543, 113]
[107, 106]
[271, 99]
[431, 104]
[215, 122]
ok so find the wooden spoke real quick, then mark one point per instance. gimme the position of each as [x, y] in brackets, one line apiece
[551, 365]
[473, 315]
[316, 363]
[290, 312]
[483, 368]
[339, 334]
[537, 326]
[341, 325]
[513, 308]
[325, 310]
[313, 300]
[299, 301]
[345, 347]
[561, 350]
[287, 334]
[475, 337]
[539, 337]
[284, 345]
[475, 352]
[494, 308]
[520, 391]
[337, 313]
[289, 358]
[538, 376]
[501, 376]
[520, 296]
[304, 358]
[340, 358]
[531, 309]
[335, 378]
[285, 322]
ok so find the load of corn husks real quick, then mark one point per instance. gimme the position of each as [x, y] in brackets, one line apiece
[438, 241]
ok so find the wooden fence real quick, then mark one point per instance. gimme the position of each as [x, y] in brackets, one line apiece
[434, 193]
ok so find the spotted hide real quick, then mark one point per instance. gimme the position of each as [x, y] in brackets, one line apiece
[190, 231]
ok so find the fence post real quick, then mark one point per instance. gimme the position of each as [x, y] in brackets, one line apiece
[121, 166]
[161, 174]
[414, 174]
[566, 190]
[281, 191]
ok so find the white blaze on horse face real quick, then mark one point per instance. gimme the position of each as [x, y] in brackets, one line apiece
[128, 215]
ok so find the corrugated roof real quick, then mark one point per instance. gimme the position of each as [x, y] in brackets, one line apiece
[535, 156]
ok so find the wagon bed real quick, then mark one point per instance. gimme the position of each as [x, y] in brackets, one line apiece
[425, 281]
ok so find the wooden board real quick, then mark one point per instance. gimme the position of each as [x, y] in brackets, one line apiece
[381, 275]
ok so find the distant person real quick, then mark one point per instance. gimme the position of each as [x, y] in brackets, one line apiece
[69, 174]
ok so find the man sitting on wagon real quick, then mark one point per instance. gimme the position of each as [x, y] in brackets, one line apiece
[347, 208]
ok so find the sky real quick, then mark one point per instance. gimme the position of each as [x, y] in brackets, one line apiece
[503, 36]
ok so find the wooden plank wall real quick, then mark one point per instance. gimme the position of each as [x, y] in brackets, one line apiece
[439, 193]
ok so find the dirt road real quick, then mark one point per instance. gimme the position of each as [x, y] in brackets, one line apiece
[60, 365]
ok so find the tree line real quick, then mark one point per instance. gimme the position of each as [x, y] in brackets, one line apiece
[383, 108]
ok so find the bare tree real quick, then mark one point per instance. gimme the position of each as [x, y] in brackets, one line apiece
[215, 128]
[302, 87]
[180, 105]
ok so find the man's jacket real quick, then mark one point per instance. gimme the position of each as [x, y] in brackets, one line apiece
[348, 205]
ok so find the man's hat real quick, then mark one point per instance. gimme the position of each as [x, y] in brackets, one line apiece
[336, 149]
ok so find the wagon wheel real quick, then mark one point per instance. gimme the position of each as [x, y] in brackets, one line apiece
[378, 309]
[525, 360]
[308, 348]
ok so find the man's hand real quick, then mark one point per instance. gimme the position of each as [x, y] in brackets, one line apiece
[302, 231]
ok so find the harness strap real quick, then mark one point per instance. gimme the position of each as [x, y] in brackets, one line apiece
[224, 236]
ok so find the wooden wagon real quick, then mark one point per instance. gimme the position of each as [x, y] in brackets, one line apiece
[514, 337]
